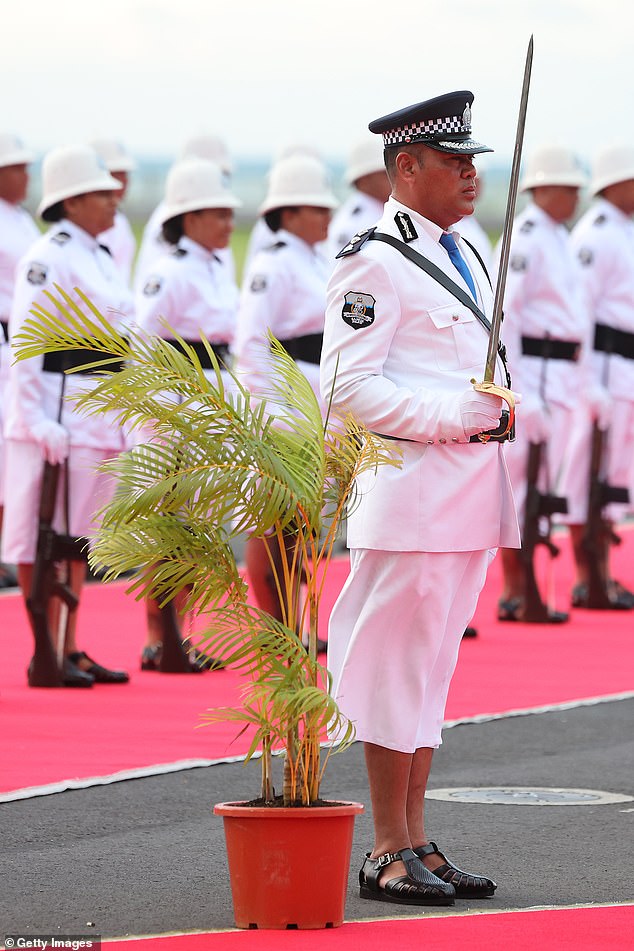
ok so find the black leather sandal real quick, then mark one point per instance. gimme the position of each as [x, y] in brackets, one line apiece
[100, 675]
[418, 887]
[512, 610]
[465, 884]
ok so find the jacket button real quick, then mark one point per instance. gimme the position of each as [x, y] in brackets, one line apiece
[455, 317]
[430, 442]
[443, 441]
[454, 439]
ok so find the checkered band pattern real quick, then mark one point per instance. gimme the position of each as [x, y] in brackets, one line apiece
[449, 125]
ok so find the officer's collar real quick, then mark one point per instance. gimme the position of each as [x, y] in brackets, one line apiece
[75, 232]
[197, 250]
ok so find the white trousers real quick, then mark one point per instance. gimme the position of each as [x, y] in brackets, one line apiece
[88, 491]
[394, 637]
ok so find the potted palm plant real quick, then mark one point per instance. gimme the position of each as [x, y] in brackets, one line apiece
[220, 465]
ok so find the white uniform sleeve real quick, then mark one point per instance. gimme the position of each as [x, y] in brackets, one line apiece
[263, 297]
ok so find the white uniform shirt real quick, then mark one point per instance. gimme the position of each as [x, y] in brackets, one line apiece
[154, 247]
[191, 288]
[603, 240]
[543, 297]
[407, 349]
[68, 256]
[284, 291]
[121, 243]
[18, 231]
[359, 211]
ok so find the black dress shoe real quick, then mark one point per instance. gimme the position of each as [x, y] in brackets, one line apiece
[418, 887]
[73, 676]
[99, 674]
[465, 884]
[151, 659]
[618, 597]
[511, 609]
[470, 632]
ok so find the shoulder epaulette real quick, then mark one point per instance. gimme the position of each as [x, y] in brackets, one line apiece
[356, 243]
[61, 237]
[528, 226]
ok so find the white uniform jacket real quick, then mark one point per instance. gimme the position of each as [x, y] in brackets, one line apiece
[68, 256]
[407, 349]
[603, 240]
[190, 288]
[358, 211]
[284, 291]
[121, 243]
[544, 297]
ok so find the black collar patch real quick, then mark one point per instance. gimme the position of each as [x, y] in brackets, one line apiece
[406, 226]
[60, 237]
[358, 310]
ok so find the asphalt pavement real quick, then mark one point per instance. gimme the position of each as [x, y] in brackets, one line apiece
[147, 856]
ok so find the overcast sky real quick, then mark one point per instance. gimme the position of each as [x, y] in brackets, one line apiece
[264, 73]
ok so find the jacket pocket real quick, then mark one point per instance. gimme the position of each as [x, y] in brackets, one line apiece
[459, 341]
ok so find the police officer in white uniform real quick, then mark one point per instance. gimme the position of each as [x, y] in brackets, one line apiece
[192, 290]
[79, 200]
[547, 336]
[284, 292]
[400, 350]
[603, 240]
[370, 189]
[119, 239]
[17, 232]
[209, 147]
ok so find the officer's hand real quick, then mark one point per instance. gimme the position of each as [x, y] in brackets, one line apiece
[480, 412]
[600, 405]
[532, 419]
[53, 440]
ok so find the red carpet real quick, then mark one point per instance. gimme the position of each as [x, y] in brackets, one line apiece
[50, 736]
[575, 929]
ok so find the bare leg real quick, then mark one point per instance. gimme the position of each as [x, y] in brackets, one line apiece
[75, 583]
[389, 777]
[258, 554]
[513, 574]
[419, 776]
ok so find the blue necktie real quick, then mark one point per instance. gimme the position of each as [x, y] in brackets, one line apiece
[449, 244]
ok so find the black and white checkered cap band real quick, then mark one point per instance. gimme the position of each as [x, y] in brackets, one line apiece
[448, 125]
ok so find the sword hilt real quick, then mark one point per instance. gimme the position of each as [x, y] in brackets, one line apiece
[509, 398]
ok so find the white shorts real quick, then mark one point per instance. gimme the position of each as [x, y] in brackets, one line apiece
[88, 491]
[393, 641]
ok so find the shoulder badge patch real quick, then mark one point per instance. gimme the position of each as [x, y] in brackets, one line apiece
[527, 227]
[36, 273]
[358, 309]
[406, 226]
[356, 243]
[61, 237]
[152, 286]
[586, 257]
[258, 283]
[518, 262]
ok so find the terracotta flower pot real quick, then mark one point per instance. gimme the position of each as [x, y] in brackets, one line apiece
[289, 865]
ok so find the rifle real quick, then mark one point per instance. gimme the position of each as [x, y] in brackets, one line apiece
[539, 508]
[598, 533]
[52, 547]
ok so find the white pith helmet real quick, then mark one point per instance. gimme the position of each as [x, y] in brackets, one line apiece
[73, 170]
[210, 147]
[12, 151]
[612, 165]
[194, 184]
[298, 180]
[365, 157]
[553, 165]
[115, 156]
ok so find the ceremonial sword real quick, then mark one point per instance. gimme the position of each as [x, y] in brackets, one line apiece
[488, 385]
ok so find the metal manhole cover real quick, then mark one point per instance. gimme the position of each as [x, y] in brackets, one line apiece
[528, 796]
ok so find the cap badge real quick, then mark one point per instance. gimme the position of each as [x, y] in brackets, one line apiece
[466, 118]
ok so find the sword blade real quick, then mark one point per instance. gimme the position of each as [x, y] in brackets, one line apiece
[496, 320]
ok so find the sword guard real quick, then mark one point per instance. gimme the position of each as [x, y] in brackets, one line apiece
[509, 398]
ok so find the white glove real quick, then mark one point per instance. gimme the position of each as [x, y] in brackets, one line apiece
[479, 412]
[52, 439]
[600, 405]
[532, 420]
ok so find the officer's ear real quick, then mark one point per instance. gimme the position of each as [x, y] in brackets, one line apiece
[407, 164]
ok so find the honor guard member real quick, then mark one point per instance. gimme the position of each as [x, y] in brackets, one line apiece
[400, 350]
[284, 292]
[17, 232]
[209, 147]
[603, 241]
[191, 289]
[546, 332]
[367, 178]
[119, 239]
[79, 202]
